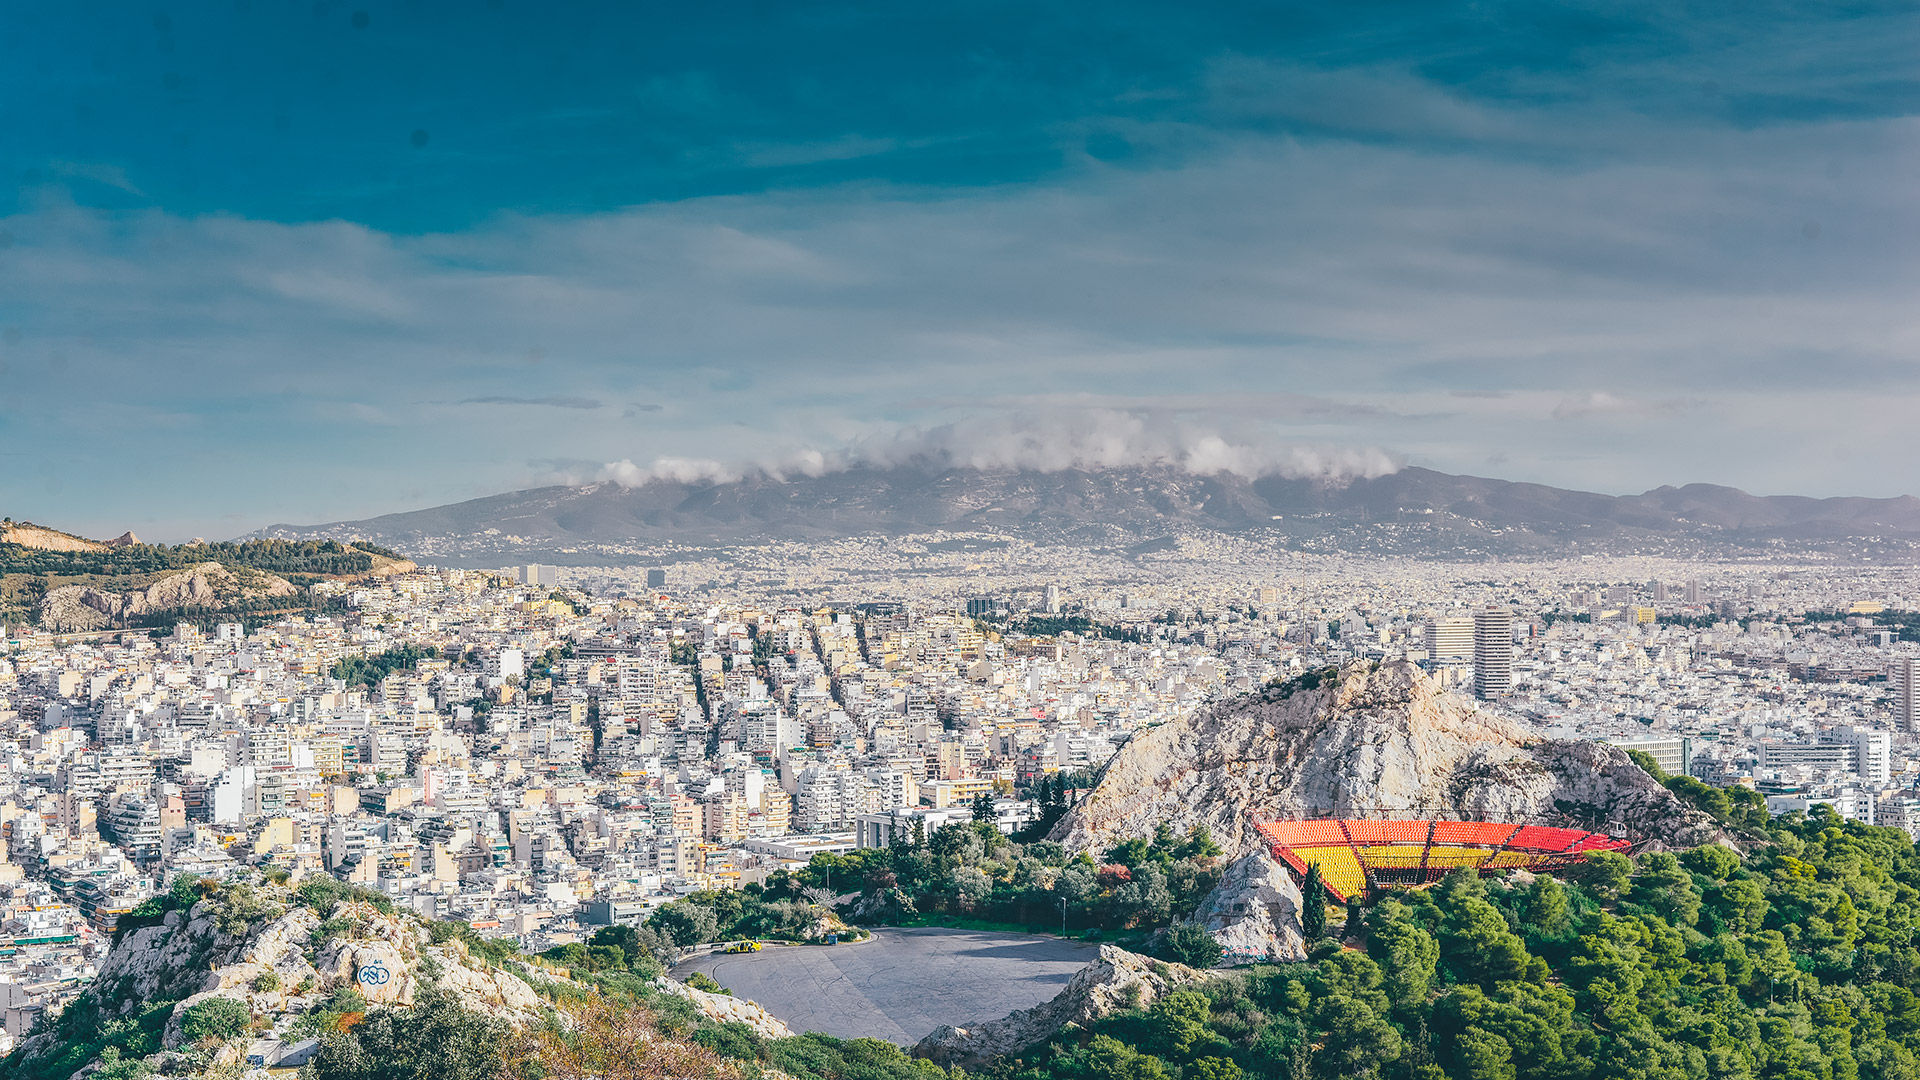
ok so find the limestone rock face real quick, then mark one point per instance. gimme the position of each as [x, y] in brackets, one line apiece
[1118, 980]
[27, 534]
[1254, 913]
[722, 1008]
[82, 607]
[1390, 738]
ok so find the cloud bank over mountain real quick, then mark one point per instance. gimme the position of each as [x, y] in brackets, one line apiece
[1042, 442]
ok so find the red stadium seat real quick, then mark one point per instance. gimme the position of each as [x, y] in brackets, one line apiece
[1472, 833]
[1388, 832]
[1545, 838]
[1319, 833]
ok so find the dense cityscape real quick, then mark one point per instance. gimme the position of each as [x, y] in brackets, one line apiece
[540, 751]
[848, 541]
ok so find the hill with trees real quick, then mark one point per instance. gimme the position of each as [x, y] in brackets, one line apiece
[64, 582]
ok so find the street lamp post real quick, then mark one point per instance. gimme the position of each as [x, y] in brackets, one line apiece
[1063, 916]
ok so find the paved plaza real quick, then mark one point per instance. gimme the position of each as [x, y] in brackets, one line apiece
[903, 983]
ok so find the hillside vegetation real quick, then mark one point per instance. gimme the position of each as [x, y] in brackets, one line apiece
[201, 975]
[1800, 963]
[326, 557]
[135, 584]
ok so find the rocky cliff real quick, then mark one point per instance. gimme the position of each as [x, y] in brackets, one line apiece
[41, 538]
[208, 585]
[1118, 980]
[278, 958]
[1366, 739]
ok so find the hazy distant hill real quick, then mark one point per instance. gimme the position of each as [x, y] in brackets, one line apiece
[1413, 510]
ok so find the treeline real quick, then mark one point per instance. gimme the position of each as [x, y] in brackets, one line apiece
[1055, 625]
[1904, 624]
[700, 918]
[326, 557]
[975, 871]
[367, 671]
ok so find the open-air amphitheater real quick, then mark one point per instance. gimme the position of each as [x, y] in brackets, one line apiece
[1365, 856]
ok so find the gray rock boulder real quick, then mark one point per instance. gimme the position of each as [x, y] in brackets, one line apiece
[1255, 911]
[723, 1008]
[1117, 981]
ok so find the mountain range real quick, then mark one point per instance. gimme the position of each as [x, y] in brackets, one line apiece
[1414, 510]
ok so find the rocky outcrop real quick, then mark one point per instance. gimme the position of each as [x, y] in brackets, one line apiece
[1254, 913]
[386, 566]
[1117, 981]
[83, 607]
[39, 537]
[259, 945]
[725, 1008]
[1371, 739]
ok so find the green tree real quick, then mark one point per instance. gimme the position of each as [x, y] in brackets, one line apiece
[1408, 957]
[436, 1039]
[685, 924]
[1313, 905]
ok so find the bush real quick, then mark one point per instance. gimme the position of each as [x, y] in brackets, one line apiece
[218, 1019]
[435, 1038]
[733, 1039]
[1190, 944]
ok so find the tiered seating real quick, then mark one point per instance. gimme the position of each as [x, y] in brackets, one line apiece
[1491, 834]
[1545, 838]
[1393, 856]
[1415, 852]
[1442, 857]
[1339, 870]
[1301, 834]
[1388, 832]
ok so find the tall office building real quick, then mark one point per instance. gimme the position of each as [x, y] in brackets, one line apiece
[1050, 600]
[1693, 591]
[656, 579]
[1906, 694]
[1450, 639]
[1657, 590]
[1492, 652]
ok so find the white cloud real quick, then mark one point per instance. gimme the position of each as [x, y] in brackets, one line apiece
[1272, 304]
[1044, 442]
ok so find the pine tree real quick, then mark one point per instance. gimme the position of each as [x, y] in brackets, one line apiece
[1313, 906]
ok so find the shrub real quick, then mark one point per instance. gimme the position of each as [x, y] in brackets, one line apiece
[1190, 944]
[218, 1019]
[733, 1039]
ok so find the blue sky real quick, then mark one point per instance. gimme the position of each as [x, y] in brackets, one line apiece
[266, 261]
